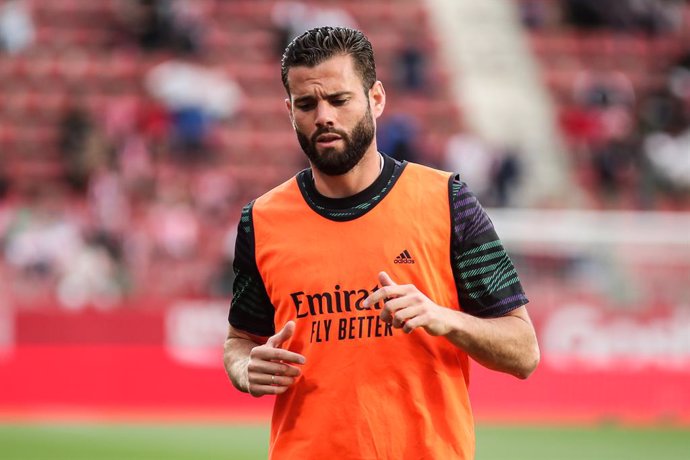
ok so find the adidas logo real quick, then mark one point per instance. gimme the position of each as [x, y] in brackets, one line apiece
[404, 258]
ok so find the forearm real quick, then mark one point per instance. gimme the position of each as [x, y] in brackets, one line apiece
[506, 344]
[236, 360]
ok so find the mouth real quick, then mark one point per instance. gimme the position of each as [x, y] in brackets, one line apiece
[328, 139]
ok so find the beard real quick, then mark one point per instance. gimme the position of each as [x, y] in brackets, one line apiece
[333, 161]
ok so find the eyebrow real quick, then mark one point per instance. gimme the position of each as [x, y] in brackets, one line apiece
[328, 96]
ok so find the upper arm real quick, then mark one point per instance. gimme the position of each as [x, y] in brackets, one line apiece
[251, 309]
[486, 280]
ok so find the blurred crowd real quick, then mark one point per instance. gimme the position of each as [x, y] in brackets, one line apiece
[144, 206]
[628, 16]
[140, 208]
[626, 117]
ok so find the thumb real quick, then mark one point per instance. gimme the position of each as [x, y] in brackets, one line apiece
[386, 280]
[283, 335]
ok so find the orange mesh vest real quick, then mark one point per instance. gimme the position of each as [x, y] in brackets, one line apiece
[367, 391]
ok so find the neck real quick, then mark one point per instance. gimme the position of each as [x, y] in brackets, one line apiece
[352, 182]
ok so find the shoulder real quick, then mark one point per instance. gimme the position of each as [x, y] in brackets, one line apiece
[285, 190]
[427, 171]
[426, 179]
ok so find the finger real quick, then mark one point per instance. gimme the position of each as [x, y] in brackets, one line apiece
[400, 317]
[412, 324]
[277, 354]
[268, 367]
[283, 335]
[398, 303]
[393, 305]
[261, 390]
[270, 379]
[382, 294]
[386, 280]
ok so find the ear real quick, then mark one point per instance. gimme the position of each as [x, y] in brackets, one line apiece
[377, 99]
[288, 106]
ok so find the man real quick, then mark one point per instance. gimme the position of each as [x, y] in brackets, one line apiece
[381, 278]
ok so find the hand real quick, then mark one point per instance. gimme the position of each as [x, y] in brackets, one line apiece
[407, 308]
[270, 370]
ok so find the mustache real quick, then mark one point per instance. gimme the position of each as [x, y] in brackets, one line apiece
[328, 130]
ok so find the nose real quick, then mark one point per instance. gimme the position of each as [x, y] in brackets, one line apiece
[325, 114]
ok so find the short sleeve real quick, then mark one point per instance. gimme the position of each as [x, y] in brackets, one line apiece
[251, 309]
[487, 283]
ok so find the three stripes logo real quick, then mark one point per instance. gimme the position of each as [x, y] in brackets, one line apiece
[404, 258]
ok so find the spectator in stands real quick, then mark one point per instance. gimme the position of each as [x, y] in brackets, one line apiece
[172, 220]
[538, 14]
[152, 25]
[214, 192]
[601, 86]
[493, 173]
[607, 100]
[4, 181]
[656, 16]
[132, 157]
[94, 277]
[679, 76]
[75, 128]
[616, 162]
[398, 136]
[589, 14]
[669, 156]
[506, 177]
[661, 109]
[143, 23]
[187, 28]
[291, 18]
[196, 96]
[108, 203]
[42, 235]
[650, 16]
[135, 164]
[667, 144]
[286, 17]
[410, 65]
[224, 275]
[153, 122]
[176, 237]
[474, 160]
[16, 26]
[137, 128]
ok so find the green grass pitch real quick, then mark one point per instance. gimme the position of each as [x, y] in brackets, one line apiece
[176, 441]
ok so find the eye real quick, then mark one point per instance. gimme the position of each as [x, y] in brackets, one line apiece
[305, 106]
[338, 102]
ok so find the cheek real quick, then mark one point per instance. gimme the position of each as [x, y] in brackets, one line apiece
[304, 130]
[301, 125]
[304, 119]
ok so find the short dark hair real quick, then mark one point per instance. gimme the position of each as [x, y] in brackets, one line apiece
[321, 43]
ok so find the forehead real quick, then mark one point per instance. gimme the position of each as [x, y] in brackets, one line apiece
[335, 74]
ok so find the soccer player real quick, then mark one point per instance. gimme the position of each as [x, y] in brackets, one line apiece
[364, 284]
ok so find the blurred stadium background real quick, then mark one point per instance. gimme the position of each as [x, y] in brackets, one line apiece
[132, 132]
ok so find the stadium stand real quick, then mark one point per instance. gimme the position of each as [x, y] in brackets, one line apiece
[153, 192]
[76, 120]
[609, 68]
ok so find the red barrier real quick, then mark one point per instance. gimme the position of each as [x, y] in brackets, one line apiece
[117, 380]
[646, 396]
[167, 362]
